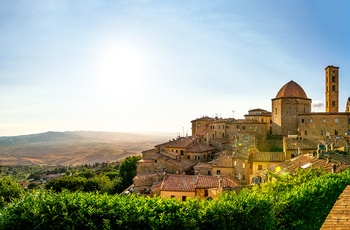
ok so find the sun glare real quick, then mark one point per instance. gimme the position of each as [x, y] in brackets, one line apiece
[121, 69]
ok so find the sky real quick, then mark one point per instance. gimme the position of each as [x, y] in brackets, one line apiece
[153, 66]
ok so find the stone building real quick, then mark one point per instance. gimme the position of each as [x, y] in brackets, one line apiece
[241, 148]
[190, 186]
[290, 116]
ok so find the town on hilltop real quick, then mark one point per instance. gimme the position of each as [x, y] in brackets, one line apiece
[224, 154]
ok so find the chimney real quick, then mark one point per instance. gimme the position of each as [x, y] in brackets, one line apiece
[220, 183]
[334, 168]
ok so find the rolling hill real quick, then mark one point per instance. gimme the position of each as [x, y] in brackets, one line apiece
[74, 148]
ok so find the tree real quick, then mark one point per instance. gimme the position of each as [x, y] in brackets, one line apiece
[66, 182]
[9, 189]
[127, 170]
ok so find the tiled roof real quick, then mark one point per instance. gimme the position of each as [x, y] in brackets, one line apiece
[188, 183]
[199, 147]
[268, 157]
[204, 165]
[305, 161]
[184, 164]
[291, 89]
[224, 161]
[339, 216]
[213, 182]
[220, 140]
[183, 183]
[206, 118]
[181, 142]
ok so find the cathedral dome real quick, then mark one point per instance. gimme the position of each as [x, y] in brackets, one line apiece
[291, 89]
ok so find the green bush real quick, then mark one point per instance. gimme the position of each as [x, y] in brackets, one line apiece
[302, 203]
[9, 189]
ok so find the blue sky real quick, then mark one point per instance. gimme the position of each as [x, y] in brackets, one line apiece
[153, 66]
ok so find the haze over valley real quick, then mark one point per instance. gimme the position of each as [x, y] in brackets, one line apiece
[74, 148]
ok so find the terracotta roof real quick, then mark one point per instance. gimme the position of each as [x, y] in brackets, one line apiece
[183, 164]
[204, 165]
[205, 118]
[188, 183]
[199, 147]
[305, 161]
[269, 156]
[213, 182]
[220, 140]
[291, 89]
[183, 183]
[181, 142]
[339, 216]
[224, 161]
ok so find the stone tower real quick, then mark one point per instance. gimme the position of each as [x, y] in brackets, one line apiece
[347, 109]
[332, 89]
[290, 101]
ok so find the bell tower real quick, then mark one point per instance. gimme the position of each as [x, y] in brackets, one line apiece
[332, 89]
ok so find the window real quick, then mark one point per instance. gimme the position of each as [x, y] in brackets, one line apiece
[188, 157]
[259, 167]
[275, 111]
[243, 127]
[155, 161]
[302, 120]
[209, 173]
[237, 126]
[206, 192]
[310, 120]
[324, 120]
[335, 132]
[218, 172]
[184, 198]
[336, 120]
[322, 133]
[197, 157]
[176, 150]
[333, 87]
[333, 103]
[333, 78]
[172, 196]
[305, 132]
[182, 152]
[235, 163]
[243, 166]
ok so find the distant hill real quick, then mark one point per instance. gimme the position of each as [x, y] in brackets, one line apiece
[74, 148]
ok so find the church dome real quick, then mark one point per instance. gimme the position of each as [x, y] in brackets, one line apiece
[291, 89]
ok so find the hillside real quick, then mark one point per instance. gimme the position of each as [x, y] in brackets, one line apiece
[74, 148]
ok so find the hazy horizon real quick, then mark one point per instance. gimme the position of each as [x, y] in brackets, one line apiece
[153, 66]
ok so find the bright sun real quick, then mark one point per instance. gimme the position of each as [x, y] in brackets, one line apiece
[122, 69]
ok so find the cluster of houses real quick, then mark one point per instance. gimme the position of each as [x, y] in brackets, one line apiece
[225, 154]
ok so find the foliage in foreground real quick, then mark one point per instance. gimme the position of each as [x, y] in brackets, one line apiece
[303, 202]
[67, 210]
